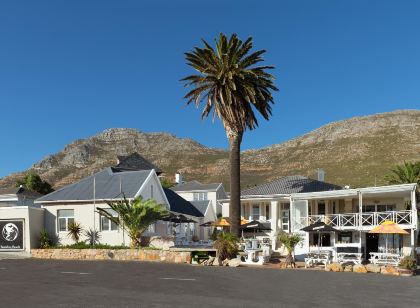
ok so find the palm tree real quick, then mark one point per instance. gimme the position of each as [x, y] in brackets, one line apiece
[134, 216]
[407, 173]
[232, 86]
[74, 231]
[290, 240]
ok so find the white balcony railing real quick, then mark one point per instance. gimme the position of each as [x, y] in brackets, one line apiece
[355, 220]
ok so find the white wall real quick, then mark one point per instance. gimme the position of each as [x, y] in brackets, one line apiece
[33, 222]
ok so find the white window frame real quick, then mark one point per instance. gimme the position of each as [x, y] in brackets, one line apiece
[110, 223]
[254, 206]
[66, 219]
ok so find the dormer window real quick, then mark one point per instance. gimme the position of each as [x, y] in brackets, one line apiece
[200, 196]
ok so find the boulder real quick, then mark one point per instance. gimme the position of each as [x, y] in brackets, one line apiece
[348, 267]
[235, 262]
[373, 268]
[389, 270]
[334, 267]
[225, 262]
[406, 272]
[359, 268]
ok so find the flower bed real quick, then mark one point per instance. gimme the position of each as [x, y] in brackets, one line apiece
[113, 254]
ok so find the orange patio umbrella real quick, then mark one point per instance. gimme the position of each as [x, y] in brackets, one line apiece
[223, 222]
[388, 227]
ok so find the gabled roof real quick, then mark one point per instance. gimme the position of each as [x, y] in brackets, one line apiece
[110, 184]
[20, 191]
[289, 185]
[135, 162]
[201, 205]
[196, 186]
[180, 205]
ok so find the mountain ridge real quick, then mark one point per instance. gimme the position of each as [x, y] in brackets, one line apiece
[357, 151]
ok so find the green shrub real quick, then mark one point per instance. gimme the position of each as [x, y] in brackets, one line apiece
[226, 245]
[93, 236]
[75, 230]
[44, 238]
[409, 263]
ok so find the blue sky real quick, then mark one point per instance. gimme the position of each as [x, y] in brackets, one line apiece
[70, 69]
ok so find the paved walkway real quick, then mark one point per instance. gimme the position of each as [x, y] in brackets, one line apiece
[46, 283]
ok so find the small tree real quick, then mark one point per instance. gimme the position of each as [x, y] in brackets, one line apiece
[289, 241]
[44, 239]
[226, 245]
[135, 216]
[74, 231]
[92, 236]
[33, 181]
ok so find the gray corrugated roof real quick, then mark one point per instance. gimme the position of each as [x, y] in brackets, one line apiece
[23, 191]
[180, 205]
[108, 183]
[289, 185]
[195, 186]
[135, 162]
[201, 205]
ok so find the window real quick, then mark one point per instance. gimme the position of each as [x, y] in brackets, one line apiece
[267, 212]
[107, 224]
[321, 208]
[285, 218]
[64, 217]
[255, 212]
[152, 228]
[324, 241]
[200, 196]
[344, 237]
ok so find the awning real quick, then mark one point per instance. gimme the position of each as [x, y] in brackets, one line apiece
[319, 227]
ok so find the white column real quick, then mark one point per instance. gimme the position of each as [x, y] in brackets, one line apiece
[414, 231]
[360, 209]
[274, 224]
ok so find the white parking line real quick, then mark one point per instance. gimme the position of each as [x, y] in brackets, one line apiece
[76, 273]
[182, 279]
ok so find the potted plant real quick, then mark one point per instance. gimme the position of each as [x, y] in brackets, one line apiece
[226, 246]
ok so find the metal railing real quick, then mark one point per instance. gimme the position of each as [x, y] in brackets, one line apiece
[355, 220]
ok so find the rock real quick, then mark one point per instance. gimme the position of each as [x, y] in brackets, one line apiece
[373, 268]
[209, 262]
[334, 267]
[235, 262]
[348, 267]
[359, 268]
[405, 272]
[389, 270]
[225, 262]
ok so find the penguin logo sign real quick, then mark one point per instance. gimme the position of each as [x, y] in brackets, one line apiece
[12, 235]
[10, 232]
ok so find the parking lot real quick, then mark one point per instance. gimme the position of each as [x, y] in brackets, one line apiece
[41, 283]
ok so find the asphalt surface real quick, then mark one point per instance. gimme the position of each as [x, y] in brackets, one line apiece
[47, 283]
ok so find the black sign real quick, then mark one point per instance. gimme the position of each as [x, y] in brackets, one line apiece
[11, 235]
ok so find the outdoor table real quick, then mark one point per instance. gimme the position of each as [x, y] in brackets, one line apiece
[318, 258]
[345, 257]
[384, 258]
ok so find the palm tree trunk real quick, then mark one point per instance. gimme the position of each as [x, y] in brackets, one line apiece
[235, 140]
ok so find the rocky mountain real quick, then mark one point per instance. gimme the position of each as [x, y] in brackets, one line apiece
[357, 152]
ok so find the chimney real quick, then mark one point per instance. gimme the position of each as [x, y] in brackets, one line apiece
[178, 178]
[320, 175]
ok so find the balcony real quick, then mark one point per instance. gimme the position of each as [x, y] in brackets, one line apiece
[364, 221]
